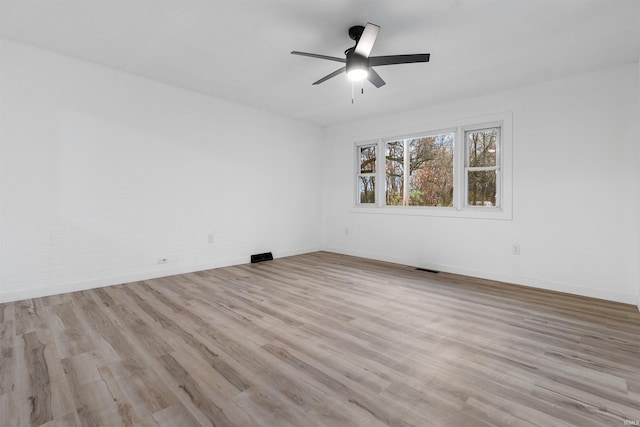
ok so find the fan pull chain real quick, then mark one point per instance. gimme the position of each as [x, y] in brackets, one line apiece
[353, 91]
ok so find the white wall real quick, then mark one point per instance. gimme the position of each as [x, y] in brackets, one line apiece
[103, 172]
[575, 192]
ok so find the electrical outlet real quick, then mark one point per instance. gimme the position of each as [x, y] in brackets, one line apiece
[346, 231]
[210, 237]
[515, 249]
[163, 260]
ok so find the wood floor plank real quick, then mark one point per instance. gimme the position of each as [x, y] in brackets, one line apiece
[191, 388]
[174, 415]
[7, 366]
[319, 339]
[28, 316]
[97, 396]
[39, 378]
[68, 333]
[9, 411]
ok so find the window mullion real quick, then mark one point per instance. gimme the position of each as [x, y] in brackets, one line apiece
[460, 169]
[405, 187]
[381, 178]
[498, 188]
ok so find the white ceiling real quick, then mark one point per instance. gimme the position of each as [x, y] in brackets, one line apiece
[239, 49]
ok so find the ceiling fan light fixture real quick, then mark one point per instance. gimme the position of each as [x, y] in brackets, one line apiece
[357, 66]
[357, 74]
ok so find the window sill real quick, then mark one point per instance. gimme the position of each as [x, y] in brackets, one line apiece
[476, 213]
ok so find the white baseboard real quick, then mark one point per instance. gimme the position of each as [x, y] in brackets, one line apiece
[56, 289]
[524, 281]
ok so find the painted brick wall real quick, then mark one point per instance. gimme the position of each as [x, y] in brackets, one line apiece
[103, 172]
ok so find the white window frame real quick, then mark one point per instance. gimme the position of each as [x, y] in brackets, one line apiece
[359, 174]
[466, 168]
[504, 159]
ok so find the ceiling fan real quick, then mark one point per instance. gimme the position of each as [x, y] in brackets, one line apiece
[358, 63]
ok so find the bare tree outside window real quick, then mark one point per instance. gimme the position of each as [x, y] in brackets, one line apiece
[394, 154]
[419, 171]
[431, 171]
[366, 175]
[482, 166]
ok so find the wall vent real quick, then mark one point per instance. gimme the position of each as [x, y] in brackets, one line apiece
[428, 270]
[267, 256]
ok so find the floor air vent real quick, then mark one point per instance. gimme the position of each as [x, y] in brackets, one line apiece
[428, 270]
[267, 256]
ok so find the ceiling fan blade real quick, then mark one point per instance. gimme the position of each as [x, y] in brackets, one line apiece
[367, 39]
[398, 59]
[327, 77]
[315, 55]
[375, 78]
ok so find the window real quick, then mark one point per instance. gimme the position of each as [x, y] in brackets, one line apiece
[458, 171]
[419, 171]
[367, 174]
[482, 166]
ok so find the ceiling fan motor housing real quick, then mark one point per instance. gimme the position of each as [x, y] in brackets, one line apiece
[355, 61]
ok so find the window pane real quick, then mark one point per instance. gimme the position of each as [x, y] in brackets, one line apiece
[394, 154]
[368, 159]
[481, 147]
[367, 189]
[431, 170]
[482, 188]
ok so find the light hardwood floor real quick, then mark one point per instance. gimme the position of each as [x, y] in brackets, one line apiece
[318, 340]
